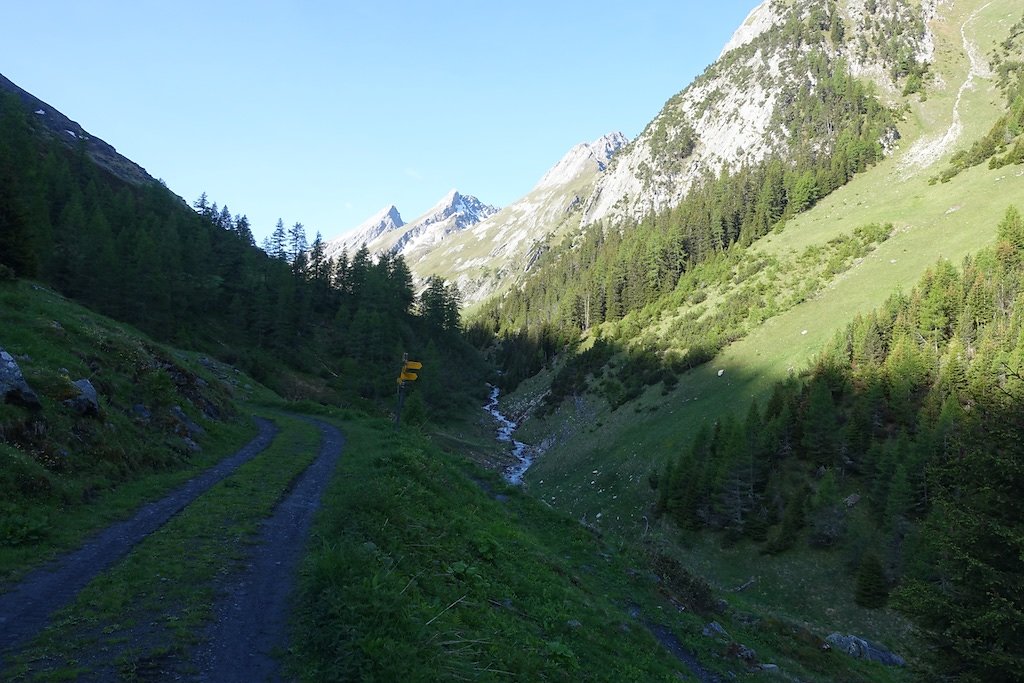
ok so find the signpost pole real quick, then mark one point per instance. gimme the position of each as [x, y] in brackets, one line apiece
[406, 375]
[401, 392]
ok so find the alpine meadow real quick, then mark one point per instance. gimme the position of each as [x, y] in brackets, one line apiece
[736, 399]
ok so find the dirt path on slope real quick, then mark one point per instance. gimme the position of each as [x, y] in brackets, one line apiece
[250, 621]
[25, 610]
[927, 151]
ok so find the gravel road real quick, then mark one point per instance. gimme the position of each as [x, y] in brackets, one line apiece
[26, 607]
[251, 619]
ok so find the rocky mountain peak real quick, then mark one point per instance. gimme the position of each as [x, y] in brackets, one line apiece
[384, 221]
[389, 218]
[737, 112]
[594, 154]
[467, 210]
[760, 19]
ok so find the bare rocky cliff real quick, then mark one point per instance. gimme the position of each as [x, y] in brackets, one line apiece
[735, 113]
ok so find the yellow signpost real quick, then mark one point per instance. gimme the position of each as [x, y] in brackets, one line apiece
[405, 375]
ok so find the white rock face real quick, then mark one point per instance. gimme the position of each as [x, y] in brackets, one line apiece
[731, 132]
[876, 26]
[455, 212]
[581, 158]
[501, 248]
[384, 221]
[730, 111]
[760, 19]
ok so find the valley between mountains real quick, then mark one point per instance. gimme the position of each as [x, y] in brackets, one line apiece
[736, 399]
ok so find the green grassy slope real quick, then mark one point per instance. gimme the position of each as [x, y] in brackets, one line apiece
[932, 221]
[422, 567]
[65, 474]
[599, 467]
[426, 569]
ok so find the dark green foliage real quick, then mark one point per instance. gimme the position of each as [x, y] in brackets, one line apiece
[966, 587]
[685, 586]
[793, 519]
[571, 377]
[626, 274]
[912, 415]
[439, 304]
[421, 577]
[309, 328]
[872, 587]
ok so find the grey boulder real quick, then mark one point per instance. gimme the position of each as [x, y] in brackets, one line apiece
[13, 387]
[858, 648]
[87, 403]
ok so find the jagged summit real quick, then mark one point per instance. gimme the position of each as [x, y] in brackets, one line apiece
[386, 220]
[597, 154]
[453, 213]
[386, 231]
[466, 209]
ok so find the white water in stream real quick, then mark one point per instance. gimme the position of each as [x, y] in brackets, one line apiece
[520, 451]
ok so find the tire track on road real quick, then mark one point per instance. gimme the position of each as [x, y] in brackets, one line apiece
[26, 609]
[250, 621]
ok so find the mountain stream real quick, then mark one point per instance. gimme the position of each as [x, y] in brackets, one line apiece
[522, 452]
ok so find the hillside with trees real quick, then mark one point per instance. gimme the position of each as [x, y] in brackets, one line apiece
[901, 450]
[309, 327]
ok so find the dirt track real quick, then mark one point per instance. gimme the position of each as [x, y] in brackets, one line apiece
[26, 608]
[251, 618]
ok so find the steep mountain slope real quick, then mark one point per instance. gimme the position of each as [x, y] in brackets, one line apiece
[761, 99]
[742, 108]
[601, 449]
[930, 220]
[494, 253]
[63, 129]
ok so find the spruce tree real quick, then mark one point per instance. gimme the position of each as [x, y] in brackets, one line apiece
[296, 243]
[278, 242]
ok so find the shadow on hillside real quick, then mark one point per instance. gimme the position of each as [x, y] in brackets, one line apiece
[620, 374]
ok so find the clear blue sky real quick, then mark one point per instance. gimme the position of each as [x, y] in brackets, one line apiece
[325, 112]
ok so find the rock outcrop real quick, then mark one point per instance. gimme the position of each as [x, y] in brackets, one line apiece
[13, 386]
[87, 402]
[734, 114]
[858, 648]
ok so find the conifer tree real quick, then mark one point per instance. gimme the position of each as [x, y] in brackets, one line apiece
[202, 205]
[296, 243]
[244, 230]
[278, 242]
[224, 220]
